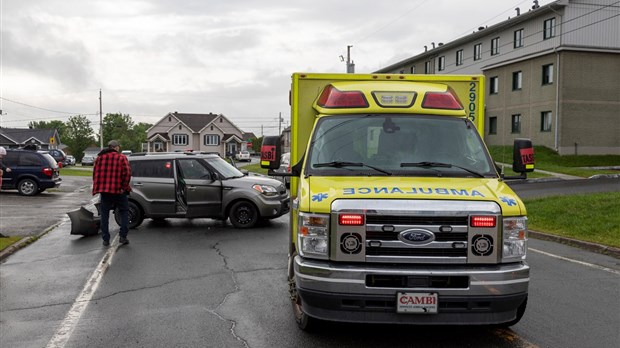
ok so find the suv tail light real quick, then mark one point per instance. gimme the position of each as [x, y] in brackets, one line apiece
[49, 172]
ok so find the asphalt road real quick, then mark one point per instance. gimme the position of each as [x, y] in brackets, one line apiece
[188, 283]
[30, 216]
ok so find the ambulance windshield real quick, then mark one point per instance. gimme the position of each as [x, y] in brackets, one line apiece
[400, 145]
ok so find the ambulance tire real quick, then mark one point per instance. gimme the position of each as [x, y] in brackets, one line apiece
[304, 321]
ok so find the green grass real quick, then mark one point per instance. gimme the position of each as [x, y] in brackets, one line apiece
[590, 217]
[76, 171]
[255, 168]
[547, 159]
[6, 242]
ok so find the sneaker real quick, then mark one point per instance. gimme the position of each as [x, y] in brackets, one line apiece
[106, 243]
[123, 240]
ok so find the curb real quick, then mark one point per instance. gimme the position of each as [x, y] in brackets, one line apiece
[22, 243]
[589, 246]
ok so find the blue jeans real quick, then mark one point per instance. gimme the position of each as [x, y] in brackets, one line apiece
[110, 201]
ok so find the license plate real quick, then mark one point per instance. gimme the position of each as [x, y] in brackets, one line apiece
[417, 302]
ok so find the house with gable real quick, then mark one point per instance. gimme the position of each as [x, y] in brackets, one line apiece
[210, 133]
[43, 139]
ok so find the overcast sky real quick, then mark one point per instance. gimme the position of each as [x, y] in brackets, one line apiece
[231, 57]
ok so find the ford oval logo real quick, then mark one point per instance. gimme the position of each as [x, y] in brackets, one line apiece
[416, 236]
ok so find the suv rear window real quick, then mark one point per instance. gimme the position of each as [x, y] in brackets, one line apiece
[50, 160]
[151, 168]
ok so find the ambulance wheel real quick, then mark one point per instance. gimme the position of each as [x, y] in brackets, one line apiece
[136, 216]
[303, 320]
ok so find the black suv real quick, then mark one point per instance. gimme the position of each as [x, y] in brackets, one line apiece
[31, 172]
[58, 155]
[192, 185]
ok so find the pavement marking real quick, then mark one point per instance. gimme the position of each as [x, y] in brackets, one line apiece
[610, 270]
[65, 330]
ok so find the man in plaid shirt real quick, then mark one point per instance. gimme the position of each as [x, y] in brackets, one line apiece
[111, 175]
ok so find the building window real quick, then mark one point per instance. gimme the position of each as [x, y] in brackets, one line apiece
[179, 139]
[545, 121]
[477, 51]
[516, 123]
[518, 38]
[212, 139]
[494, 85]
[492, 125]
[495, 46]
[442, 63]
[459, 57]
[517, 80]
[547, 74]
[549, 28]
[427, 67]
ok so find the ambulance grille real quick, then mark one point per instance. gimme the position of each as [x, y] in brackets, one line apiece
[415, 220]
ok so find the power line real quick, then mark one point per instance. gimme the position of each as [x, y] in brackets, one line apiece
[40, 108]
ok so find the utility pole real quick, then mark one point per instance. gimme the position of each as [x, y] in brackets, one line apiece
[280, 124]
[350, 64]
[100, 122]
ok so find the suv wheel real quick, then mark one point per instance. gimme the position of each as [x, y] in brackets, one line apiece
[28, 187]
[135, 215]
[243, 214]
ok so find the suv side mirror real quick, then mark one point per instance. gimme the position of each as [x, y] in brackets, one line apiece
[270, 153]
[523, 156]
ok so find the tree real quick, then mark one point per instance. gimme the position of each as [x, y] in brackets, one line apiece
[256, 144]
[78, 135]
[54, 124]
[121, 127]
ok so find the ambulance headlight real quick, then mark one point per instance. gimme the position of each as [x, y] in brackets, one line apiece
[515, 239]
[313, 235]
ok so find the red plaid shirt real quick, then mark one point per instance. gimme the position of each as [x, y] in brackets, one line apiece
[111, 173]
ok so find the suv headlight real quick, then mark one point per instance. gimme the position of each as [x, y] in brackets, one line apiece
[313, 235]
[515, 239]
[267, 190]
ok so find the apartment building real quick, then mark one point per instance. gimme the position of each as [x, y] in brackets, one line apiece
[552, 75]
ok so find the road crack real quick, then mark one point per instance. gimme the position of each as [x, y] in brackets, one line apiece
[235, 290]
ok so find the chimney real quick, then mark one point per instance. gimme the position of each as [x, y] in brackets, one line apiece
[518, 11]
[425, 48]
[433, 45]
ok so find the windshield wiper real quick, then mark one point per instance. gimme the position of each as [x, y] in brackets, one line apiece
[341, 164]
[427, 164]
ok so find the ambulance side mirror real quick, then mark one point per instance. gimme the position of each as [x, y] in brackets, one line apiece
[270, 153]
[523, 156]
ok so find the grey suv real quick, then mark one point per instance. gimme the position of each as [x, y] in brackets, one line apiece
[189, 185]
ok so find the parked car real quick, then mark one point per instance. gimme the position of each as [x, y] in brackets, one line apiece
[190, 185]
[70, 160]
[127, 152]
[88, 160]
[58, 155]
[243, 156]
[31, 173]
[285, 167]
